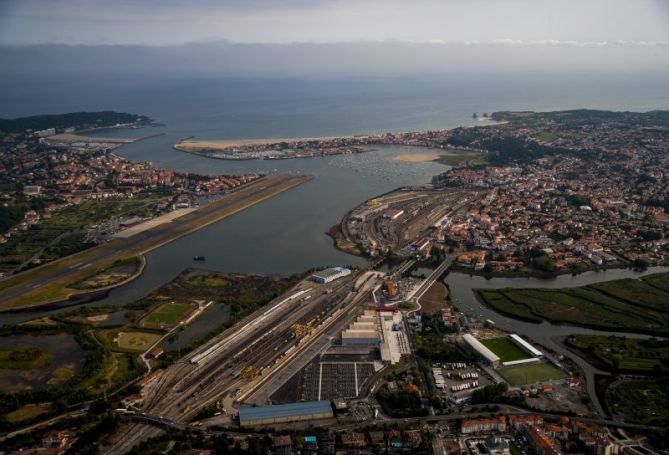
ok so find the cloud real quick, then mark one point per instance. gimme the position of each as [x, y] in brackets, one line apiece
[380, 57]
[331, 21]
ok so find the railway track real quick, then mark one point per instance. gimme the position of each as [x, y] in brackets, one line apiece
[191, 386]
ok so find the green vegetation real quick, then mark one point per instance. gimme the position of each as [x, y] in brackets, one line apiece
[643, 402]
[118, 272]
[547, 137]
[167, 314]
[587, 306]
[62, 234]
[468, 158]
[136, 341]
[505, 349]
[529, 374]
[69, 386]
[430, 344]
[495, 393]
[69, 120]
[406, 306]
[499, 302]
[636, 292]
[658, 280]
[24, 357]
[400, 403]
[28, 412]
[624, 354]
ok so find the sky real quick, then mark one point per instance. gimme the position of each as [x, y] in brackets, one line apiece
[302, 36]
[169, 22]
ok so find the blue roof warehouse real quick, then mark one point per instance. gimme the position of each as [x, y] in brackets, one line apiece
[282, 413]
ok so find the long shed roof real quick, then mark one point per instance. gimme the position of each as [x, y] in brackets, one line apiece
[284, 410]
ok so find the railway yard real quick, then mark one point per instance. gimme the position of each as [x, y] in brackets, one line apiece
[401, 221]
[237, 364]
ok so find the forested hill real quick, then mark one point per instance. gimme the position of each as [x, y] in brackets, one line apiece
[80, 120]
[578, 117]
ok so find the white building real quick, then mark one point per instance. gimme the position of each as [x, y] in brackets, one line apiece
[328, 275]
[489, 356]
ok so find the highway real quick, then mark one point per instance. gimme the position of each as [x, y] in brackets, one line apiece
[71, 268]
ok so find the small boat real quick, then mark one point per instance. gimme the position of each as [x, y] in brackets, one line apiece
[198, 258]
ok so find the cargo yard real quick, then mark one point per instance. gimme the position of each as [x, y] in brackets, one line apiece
[404, 221]
[232, 366]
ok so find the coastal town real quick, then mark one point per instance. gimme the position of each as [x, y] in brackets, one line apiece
[379, 358]
[56, 171]
[571, 202]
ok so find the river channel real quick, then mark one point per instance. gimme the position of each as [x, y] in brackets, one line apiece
[546, 334]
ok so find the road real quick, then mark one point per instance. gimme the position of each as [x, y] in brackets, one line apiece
[71, 268]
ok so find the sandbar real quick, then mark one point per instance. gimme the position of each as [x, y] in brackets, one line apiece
[192, 145]
[416, 157]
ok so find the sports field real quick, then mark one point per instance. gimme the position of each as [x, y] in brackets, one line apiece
[136, 341]
[505, 349]
[167, 314]
[529, 374]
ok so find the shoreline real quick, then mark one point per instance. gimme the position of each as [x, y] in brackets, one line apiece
[226, 149]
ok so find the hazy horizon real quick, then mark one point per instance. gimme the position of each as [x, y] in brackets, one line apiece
[339, 37]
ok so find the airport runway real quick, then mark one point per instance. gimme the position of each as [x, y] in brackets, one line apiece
[67, 270]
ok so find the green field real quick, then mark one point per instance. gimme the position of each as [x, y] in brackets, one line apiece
[116, 273]
[643, 402]
[29, 411]
[636, 292]
[136, 341]
[24, 357]
[658, 280]
[585, 306]
[529, 374]
[475, 159]
[505, 349]
[167, 314]
[619, 353]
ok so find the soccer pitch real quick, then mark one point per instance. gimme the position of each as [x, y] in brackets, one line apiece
[505, 349]
[529, 374]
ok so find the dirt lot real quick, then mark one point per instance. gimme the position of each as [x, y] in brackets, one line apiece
[434, 299]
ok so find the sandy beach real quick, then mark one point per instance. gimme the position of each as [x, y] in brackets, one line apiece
[416, 157]
[191, 145]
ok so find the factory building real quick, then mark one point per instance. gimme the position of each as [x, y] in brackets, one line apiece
[283, 413]
[364, 330]
[488, 356]
[328, 275]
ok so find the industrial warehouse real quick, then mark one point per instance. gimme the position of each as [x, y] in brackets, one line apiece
[284, 413]
[328, 275]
